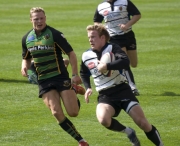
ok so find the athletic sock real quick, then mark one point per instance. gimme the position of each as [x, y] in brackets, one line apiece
[128, 131]
[116, 126]
[68, 126]
[154, 136]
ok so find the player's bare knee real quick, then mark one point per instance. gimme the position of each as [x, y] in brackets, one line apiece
[133, 65]
[73, 113]
[103, 122]
[143, 124]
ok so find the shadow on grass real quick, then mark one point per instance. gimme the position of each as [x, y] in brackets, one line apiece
[13, 81]
[169, 94]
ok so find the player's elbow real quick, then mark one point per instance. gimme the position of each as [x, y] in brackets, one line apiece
[138, 17]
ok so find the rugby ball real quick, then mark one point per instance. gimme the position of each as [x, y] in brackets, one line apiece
[107, 57]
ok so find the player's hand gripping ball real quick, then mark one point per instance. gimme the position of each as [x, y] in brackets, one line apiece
[107, 58]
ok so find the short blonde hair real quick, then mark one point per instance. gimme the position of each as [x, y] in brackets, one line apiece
[36, 9]
[100, 29]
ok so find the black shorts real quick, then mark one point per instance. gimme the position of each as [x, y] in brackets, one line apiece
[127, 40]
[119, 97]
[55, 83]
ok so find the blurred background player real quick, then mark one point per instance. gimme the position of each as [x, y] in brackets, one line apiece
[116, 15]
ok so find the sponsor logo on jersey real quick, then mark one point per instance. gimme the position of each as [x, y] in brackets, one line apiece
[91, 65]
[40, 47]
[31, 38]
[106, 12]
[47, 36]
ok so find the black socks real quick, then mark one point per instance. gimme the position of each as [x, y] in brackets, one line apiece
[68, 126]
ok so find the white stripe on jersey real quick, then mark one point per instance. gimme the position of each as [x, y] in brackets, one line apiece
[113, 18]
[101, 82]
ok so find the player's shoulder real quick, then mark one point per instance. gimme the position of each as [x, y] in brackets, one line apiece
[26, 34]
[114, 45]
[88, 54]
[103, 4]
[57, 34]
[111, 46]
[53, 30]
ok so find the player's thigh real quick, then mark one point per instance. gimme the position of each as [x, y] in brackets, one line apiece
[70, 102]
[104, 112]
[137, 114]
[52, 101]
[132, 54]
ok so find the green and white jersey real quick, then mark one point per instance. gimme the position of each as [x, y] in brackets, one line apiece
[46, 51]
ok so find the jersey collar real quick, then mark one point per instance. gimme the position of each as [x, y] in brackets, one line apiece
[99, 53]
[43, 30]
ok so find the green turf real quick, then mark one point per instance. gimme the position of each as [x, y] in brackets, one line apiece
[25, 120]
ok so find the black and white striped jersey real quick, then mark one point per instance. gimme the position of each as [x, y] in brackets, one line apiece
[115, 13]
[89, 67]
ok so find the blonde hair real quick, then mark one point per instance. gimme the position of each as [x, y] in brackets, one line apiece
[36, 9]
[100, 29]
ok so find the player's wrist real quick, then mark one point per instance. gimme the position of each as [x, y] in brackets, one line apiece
[74, 75]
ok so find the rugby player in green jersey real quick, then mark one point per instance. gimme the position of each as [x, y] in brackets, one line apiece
[45, 46]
